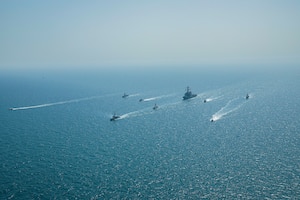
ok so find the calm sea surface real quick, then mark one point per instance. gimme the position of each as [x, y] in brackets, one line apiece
[59, 143]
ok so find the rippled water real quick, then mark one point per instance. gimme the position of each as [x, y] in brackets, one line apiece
[60, 144]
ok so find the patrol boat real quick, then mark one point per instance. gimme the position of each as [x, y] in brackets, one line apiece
[125, 95]
[155, 107]
[247, 96]
[188, 94]
[114, 117]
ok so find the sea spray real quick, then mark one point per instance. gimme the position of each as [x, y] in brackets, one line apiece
[58, 103]
[231, 106]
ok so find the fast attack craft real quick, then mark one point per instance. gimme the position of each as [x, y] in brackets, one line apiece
[155, 107]
[125, 95]
[247, 96]
[114, 117]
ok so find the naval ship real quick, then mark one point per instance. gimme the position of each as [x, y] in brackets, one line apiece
[188, 94]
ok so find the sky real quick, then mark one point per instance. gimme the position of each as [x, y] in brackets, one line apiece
[75, 34]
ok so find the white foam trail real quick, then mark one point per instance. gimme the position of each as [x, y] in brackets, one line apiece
[133, 95]
[158, 97]
[209, 99]
[55, 103]
[212, 98]
[228, 108]
[130, 114]
[151, 99]
[135, 113]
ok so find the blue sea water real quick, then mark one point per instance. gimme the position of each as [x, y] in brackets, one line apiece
[59, 143]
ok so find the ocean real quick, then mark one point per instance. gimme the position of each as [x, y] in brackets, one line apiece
[57, 140]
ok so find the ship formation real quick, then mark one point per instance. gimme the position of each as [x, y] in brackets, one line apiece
[187, 95]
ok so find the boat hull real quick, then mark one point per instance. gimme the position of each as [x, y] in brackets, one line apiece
[189, 97]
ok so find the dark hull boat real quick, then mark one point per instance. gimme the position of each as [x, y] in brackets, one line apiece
[188, 94]
[155, 107]
[125, 95]
[114, 117]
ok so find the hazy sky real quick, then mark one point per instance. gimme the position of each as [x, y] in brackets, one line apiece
[62, 33]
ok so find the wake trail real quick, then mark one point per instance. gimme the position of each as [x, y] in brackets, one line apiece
[230, 107]
[136, 113]
[158, 97]
[212, 98]
[56, 103]
[134, 95]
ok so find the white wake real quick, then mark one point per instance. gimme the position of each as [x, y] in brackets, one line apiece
[136, 113]
[230, 107]
[54, 104]
[133, 95]
[157, 97]
[212, 98]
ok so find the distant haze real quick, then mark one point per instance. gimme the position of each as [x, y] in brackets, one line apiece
[44, 34]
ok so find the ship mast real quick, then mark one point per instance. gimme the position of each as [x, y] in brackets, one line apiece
[187, 89]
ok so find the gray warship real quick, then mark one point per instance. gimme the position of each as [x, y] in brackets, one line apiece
[188, 94]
